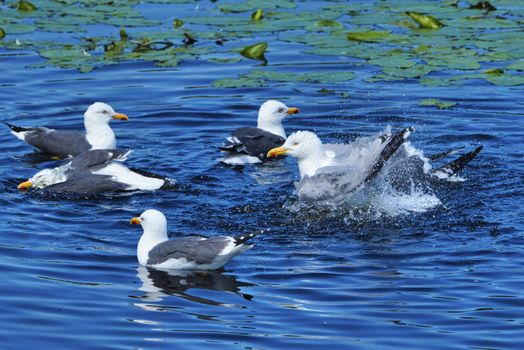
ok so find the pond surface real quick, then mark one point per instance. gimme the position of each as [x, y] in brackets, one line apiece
[448, 277]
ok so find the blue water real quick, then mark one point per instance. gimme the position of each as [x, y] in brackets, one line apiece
[447, 278]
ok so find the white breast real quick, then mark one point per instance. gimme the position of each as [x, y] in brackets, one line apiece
[134, 180]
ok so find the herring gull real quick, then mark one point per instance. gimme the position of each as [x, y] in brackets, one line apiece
[185, 253]
[249, 145]
[66, 143]
[95, 171]
[330, 173]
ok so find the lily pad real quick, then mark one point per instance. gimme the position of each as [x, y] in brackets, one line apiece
[369, 36]
[437, 103]
[24, 5]
[257, 15]
[177, 23]
[425, 21]
[255, 51]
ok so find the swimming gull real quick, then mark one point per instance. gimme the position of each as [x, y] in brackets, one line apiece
[94, 172]
[249, 144]
[185, 253]
[66, 143]
[330, 173]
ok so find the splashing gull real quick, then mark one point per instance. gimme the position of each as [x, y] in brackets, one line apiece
[330, 173]
[64, 143]
[94, 172]
[186, 253]
[250, 145]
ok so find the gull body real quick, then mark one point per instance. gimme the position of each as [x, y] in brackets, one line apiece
[65, 143]
[155, 249]
[94, 172]
[249, 144]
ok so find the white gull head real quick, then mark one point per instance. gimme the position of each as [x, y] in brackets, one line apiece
[96, 122]
[154, 224]
[271, 115]
[308, 149]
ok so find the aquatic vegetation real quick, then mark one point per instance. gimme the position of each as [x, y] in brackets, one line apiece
[437, 103]
[434, 43]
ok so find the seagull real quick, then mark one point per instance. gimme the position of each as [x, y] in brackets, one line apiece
[65, 143]
[250, 145]
[94, 172]
[186, 253]
[313, 155]
[332, 172]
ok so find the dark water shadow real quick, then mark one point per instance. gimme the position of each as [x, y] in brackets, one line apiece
[159, 284]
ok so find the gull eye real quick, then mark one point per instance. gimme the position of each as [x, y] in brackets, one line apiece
[296, 143]
[105, 111]
[281, 110]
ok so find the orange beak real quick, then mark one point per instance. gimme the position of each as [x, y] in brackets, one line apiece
[120, 116]
[293, 110]
[135, 221]
[277, 151]
[24, 186]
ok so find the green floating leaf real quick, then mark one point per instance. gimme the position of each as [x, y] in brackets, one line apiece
[494, 71]
[177, 23]
[24, 5]
[255, 52]
[238, 83]
[257, 15]
[123, 34]
[2, 33]
[323, 23]
[506, 79]
[425, 21]
[437, 103]
[516, 66]
[369, 36]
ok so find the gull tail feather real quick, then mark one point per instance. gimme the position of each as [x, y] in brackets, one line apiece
[244, 238]
[15, 128]
[458, 164]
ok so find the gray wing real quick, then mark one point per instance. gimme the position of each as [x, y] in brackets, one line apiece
[96, 157]
[336, 183]
[57, 142]
[197, 249]
[87, 183]
[252, 141]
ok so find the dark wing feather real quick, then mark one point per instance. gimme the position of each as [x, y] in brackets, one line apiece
[96, 157]
[87, 183]
[57, 142]
[196, 249]
[458, 164]
[393, 144]
[252, 141]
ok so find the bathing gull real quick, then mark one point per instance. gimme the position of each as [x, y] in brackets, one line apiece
[94, 172]
[250, 145]
[332, 172]
[64, 143]
[186, 253]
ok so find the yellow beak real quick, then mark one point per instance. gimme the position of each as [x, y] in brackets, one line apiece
[120, 116]
[135, 221]
[293, 110]
[278, 151]
[24, 186]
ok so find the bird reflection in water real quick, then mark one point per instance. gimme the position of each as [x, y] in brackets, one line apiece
[158, 284]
